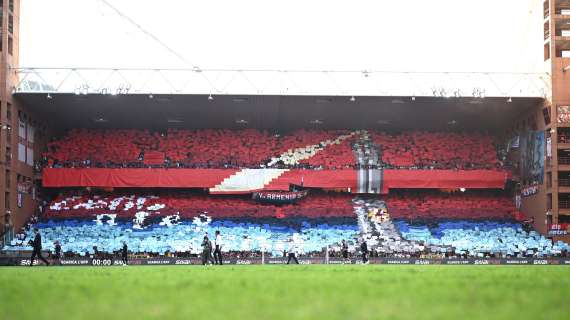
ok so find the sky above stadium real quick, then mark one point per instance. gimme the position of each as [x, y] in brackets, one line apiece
[411, 35]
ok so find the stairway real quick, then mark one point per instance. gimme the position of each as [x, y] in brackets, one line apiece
[365, 151]
[248, 180]
[367, 154]
[378, 229]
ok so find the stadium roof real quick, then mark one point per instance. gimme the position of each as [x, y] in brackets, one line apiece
[281, 82]
[275, 111]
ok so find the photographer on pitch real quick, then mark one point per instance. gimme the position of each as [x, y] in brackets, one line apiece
[207, 251]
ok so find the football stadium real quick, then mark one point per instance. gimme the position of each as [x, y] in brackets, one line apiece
[271, 193]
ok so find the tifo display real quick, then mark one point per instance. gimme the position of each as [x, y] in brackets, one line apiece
[192, 204]
[468, 237]
[174, 236]
[307, 193]
[175, 223]
[439, 205]
[250, 148]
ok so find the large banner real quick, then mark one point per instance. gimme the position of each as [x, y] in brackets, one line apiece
[345, 179]
[529, 190]
[560, 229]
[279, 196]
[532, 156]
[443, 179]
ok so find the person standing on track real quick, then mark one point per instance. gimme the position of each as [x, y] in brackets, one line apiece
[125, 253]
[364, 251]
[292, 252]
[218, 249]
[57, 255]
[37, 245]
[344, 250]
[207, 251]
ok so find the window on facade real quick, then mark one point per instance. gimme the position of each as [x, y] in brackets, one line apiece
[11, 5]
[31, 133]
[8, 156]
[8, 134]
[10, 45]
[21, 125]
[7, 200]
[11, 23]
[9, 111]
[8, 180]
[21, 152]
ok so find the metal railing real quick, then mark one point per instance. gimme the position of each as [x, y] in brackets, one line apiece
[563, 138]
[564, 204]
[563, 160]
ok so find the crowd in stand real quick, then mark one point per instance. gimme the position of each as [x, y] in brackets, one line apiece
[251, 148]
[190, 205]
[457, 205]
[207, 148]
[443, 150]
[403, 224]
[483, 239]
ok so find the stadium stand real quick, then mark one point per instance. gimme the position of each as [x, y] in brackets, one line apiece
[209, 148]
[84, 148]
[336, 156]
[419, 150]
[457, 205]
[456, 235]
[251, 148]
[481, 239]
[377, 227]
[190, 205]
[407, 224]
[403, 222]
[177, 221]
[79, 236]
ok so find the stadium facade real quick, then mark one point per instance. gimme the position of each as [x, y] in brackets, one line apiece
[533, 121]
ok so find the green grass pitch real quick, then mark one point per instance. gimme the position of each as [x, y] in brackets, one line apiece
[285, 292]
